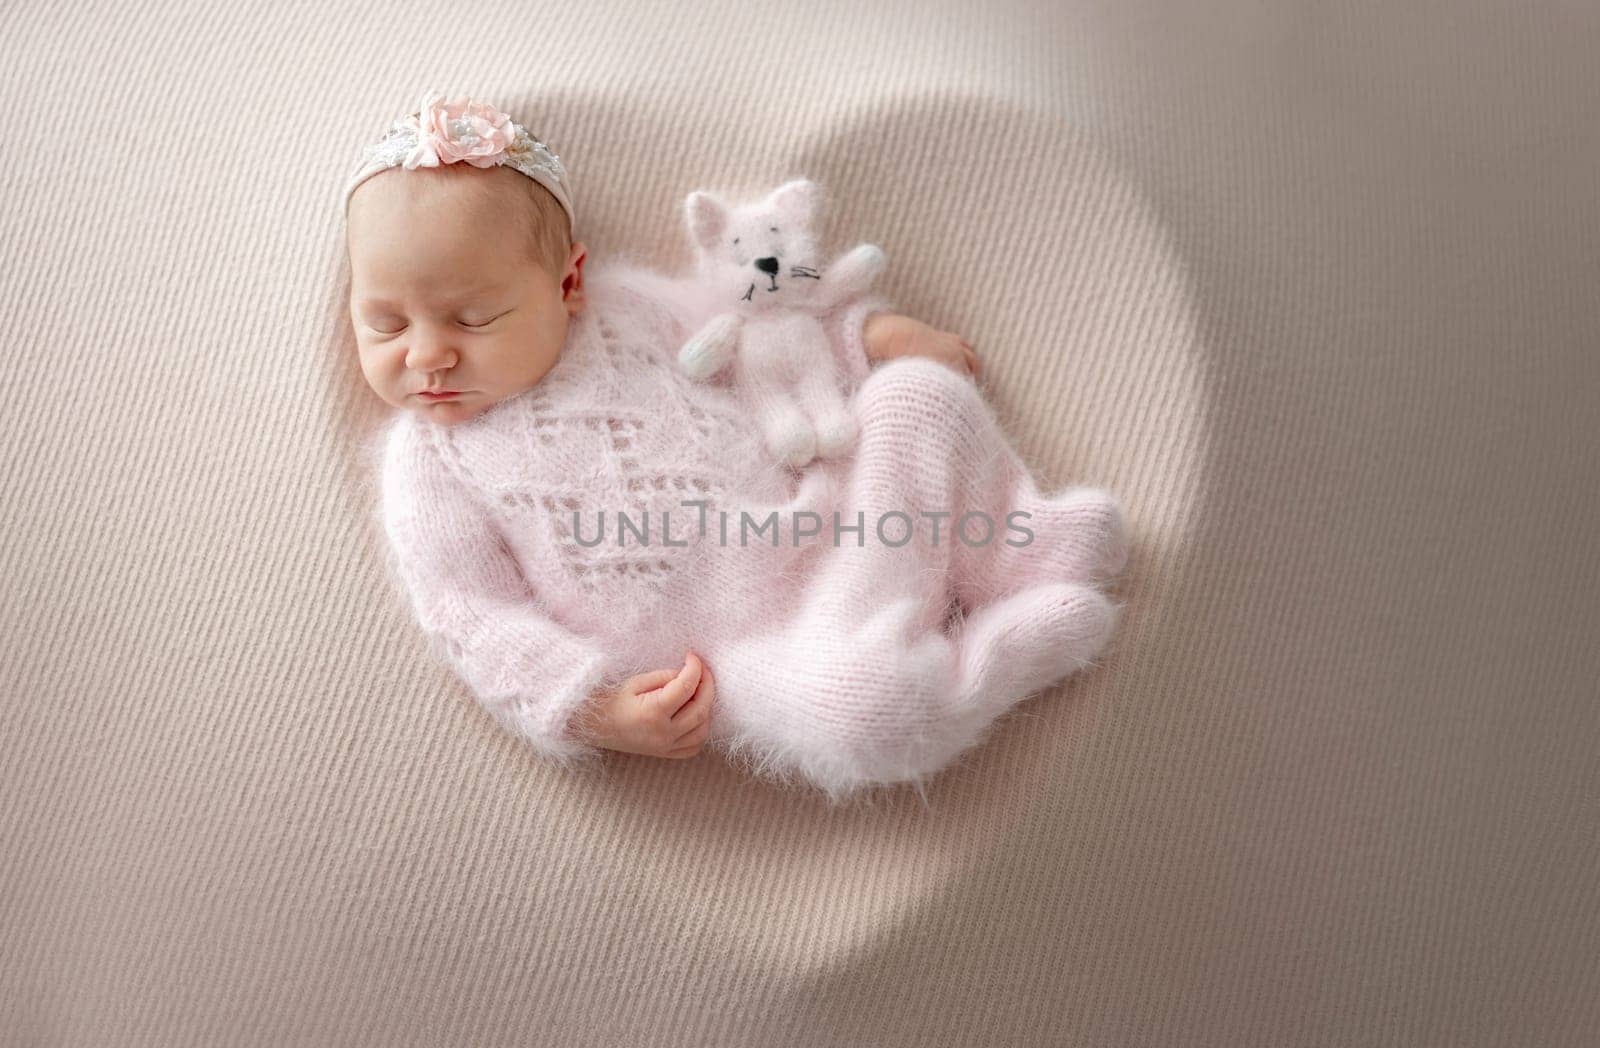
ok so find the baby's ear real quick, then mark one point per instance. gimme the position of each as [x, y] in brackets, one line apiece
[708, 220]
[796, 202]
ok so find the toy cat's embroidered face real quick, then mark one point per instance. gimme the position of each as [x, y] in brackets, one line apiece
[764, 253]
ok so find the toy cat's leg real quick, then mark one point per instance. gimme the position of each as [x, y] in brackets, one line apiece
[820, 398]
[929, 439]
[789, 434]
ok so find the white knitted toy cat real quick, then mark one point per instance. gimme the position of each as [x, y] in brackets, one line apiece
[761, 260]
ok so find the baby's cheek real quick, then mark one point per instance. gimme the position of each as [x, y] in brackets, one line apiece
[383, 376]
[372, 369]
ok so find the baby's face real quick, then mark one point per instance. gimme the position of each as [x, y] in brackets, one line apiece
[444, 295]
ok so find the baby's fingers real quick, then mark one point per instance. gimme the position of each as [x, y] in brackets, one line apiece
[697, 710]
[648, 682]
[680, 689]
[691, 743]
[973, 363]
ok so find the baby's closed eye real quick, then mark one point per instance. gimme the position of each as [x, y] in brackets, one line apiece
[484, 323]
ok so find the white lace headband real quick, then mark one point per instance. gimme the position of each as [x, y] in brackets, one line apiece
[463, 131]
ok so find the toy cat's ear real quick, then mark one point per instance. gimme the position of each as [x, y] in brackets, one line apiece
[708, 220]
[796, 201]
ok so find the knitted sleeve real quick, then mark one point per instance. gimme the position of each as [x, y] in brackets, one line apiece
[845, 328]
[472, 601]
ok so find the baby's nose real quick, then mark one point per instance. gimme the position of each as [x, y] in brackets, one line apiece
[428, 354]
[768, 266]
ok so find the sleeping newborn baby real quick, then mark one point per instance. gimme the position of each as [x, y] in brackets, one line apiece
[609, 555]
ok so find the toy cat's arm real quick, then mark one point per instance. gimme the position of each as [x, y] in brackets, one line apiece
[709, 351]
[852, 275]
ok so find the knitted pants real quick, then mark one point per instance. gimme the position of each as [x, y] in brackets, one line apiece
[936, 617]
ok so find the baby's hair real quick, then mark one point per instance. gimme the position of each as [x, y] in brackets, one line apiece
[546, 228]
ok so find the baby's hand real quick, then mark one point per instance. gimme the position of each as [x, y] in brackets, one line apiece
[664, 713]
[890, 335]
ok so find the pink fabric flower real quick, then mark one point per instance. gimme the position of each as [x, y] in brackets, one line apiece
[462, 129]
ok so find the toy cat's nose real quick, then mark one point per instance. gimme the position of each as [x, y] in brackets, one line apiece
[769, 266]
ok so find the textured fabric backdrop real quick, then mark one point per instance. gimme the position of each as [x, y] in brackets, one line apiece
[1312, 286]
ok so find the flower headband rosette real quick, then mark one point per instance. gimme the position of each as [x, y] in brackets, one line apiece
[463, 131]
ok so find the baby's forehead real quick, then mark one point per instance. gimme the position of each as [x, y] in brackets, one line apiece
[463, 193]
[444, 215]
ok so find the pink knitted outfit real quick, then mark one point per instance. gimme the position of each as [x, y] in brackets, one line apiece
[874, 660]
